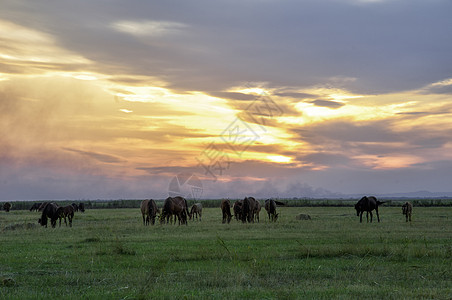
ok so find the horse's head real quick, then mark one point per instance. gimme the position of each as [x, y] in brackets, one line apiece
[358, 208]
[276, 216]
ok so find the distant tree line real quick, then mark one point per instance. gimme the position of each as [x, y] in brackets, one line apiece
[293, 202]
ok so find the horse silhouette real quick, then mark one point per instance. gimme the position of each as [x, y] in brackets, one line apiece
[176, 206]
[7, 206]
[196, 210]
[66, 212]
[237, 208]
[35, 206]
[49, 211]
[248, 209]
[226, 210]
[407, 209]
[270, 207]
[367, 204]
[149, 211]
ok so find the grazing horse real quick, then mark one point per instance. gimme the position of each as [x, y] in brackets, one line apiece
[257, 210]
[196, 209]
[175, 206]
[7, 206]
[407, 209]
[270, 207]
[66, 212]
[226, 210]
[237, 208]
[49, 211]
[41, 207]
[81, 207]
[248, 208]
[149, 211]
[35, 206]
[367, 204]
[75, 206]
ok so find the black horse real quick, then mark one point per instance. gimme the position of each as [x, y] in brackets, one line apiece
[50, 210]
[35, 206]
[367, 204]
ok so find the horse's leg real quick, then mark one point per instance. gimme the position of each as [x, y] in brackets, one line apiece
[361, 217]
[378, 215]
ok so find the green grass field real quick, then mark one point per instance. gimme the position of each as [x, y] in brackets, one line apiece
[109, 254]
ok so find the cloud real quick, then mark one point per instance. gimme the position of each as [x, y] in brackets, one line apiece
[328, 103]
[148, 27]
[386, 46]
[97, 156]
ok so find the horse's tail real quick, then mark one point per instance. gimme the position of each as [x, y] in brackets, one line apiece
[380, 202]
[279, 203]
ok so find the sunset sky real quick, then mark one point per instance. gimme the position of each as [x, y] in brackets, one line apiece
[115, 99]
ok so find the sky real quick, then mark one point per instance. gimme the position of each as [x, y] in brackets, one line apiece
[143, 99]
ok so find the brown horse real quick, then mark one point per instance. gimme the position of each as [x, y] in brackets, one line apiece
[248, 209]
[237, 208]
[257, 210]
[175, 206]
[196, 210]
[7, 206]
[66, 212]
[270, 207]
[367, 204]
[149, 211]
[49, 211]
[226, 210]
[407, 209]
[35, 206]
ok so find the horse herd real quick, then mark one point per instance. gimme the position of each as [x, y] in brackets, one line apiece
[246, 210]
[54, 212]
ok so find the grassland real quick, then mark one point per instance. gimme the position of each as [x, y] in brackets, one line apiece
[109, 254]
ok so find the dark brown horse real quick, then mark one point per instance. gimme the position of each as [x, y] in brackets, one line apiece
[75, 206]
[7, 206]
[248, 209]
[367, 204]
[43, 204]
[66, 212]
[196, 210]
[226, 210]
[176, 206]
[407, 209]
[81, 207]
[35, 206]
[270, 207]
[49, 211]
[149, 211]
[237, 208]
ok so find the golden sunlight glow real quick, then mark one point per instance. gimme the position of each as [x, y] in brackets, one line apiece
[279, 158]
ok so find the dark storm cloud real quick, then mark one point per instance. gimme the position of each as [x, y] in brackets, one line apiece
[386, 46]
